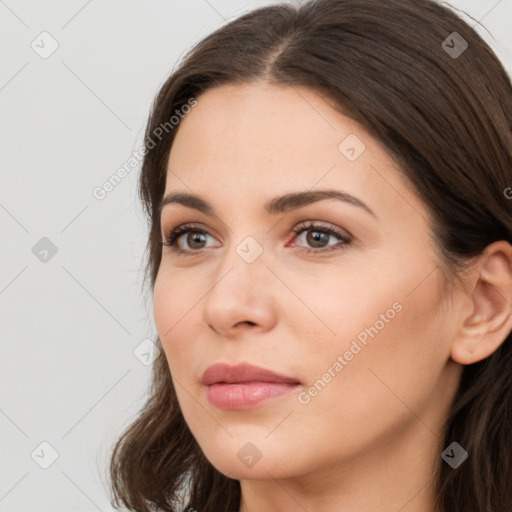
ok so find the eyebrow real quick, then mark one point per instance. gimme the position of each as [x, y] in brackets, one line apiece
[281, 204]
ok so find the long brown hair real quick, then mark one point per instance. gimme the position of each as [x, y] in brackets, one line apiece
[441, 103]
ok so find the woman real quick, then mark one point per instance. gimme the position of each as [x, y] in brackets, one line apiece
[328, 190]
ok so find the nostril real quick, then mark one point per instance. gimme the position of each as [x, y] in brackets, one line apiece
[248, 322]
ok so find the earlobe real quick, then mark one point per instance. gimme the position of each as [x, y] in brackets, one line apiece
[490, 322]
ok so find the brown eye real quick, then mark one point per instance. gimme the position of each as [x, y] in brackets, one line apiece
[195, 239]
[317, 237]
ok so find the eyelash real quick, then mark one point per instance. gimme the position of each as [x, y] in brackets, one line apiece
[171, 239]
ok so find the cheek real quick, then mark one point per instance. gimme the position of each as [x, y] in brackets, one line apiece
[172, 312]
[389, 350]
[176, 296]
[386, 301]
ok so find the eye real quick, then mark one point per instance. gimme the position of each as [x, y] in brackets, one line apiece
[318, 236]
[315, 234]
[195, 238]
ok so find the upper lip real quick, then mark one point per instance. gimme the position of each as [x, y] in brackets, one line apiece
[244, 372]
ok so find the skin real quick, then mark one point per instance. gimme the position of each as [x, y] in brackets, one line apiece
[371, 439]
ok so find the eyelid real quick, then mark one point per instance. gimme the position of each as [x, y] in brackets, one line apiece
[325, 225]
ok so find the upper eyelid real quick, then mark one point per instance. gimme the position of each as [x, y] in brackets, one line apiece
[203, 227]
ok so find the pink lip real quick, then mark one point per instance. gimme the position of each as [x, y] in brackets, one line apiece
[244, 385]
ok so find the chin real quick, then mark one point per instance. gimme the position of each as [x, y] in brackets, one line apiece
[249, 462]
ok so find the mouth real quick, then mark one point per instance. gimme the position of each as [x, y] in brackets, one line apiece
[244, 386]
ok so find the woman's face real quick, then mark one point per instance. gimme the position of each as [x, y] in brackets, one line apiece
[356, 317]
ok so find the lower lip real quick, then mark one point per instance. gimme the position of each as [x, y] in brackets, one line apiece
[247, 395]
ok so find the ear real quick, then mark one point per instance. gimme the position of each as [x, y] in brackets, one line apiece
[490, 294]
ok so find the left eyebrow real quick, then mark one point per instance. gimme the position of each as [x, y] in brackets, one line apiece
[281, 204]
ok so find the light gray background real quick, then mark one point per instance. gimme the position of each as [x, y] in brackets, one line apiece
[69, 326]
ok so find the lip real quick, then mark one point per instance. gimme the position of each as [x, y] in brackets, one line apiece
[241, 373]
[244, 386]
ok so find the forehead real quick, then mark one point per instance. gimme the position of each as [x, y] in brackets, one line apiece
[255, 140]
[267, 121]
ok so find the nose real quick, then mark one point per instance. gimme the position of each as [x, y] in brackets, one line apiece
[240, 296]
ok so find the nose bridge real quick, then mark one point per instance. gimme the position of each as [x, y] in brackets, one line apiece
[243, 262]
[239, 292]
